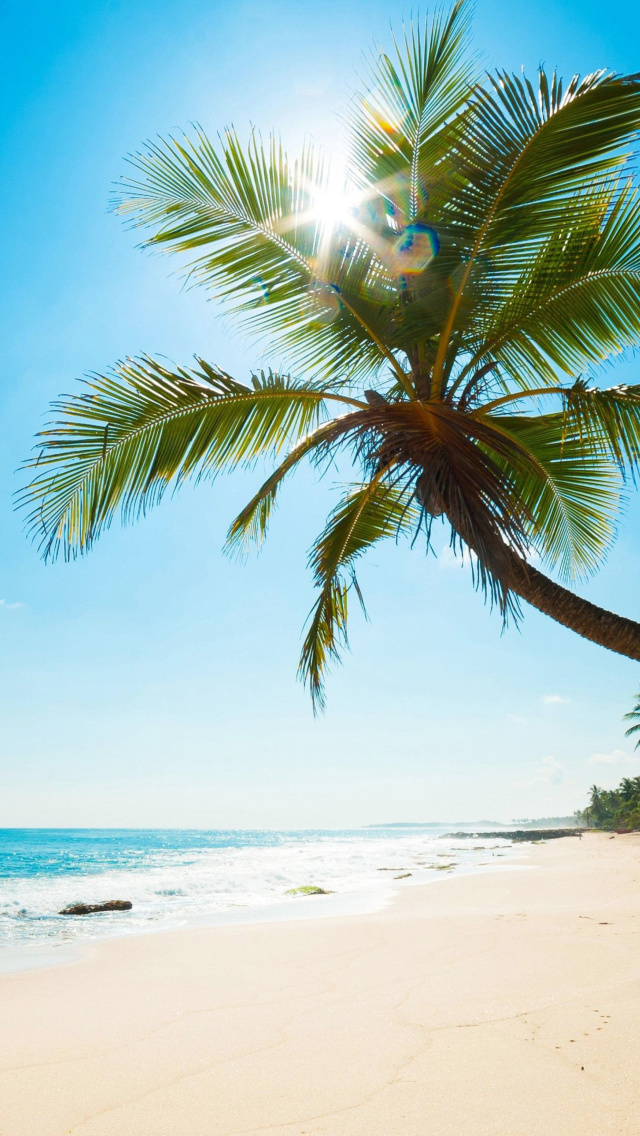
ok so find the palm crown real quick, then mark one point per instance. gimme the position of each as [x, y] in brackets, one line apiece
[437, 315]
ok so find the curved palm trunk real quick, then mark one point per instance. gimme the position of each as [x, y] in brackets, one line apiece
[615, 632]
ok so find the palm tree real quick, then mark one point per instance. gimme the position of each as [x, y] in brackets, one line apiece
[633, 716]
[441, 305]
[596, 808]
[627, 788]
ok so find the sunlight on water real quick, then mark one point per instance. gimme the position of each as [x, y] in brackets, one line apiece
[174, 878]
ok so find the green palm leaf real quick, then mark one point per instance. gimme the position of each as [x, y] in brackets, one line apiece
[608, 420]
[569, 489]
[398, 125]
[121, 444]
[527, 153]
[367, 514]
[251, 524]
[634, 716]
[256, 216]
[603, 422]
[522, 160]
[250, 210]
[577, 302]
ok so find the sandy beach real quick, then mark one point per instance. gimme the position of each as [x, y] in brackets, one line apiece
[503, 1004]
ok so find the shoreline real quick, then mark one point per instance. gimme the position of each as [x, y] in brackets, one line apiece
[367, 899]
[18, 959]
[499, 1004]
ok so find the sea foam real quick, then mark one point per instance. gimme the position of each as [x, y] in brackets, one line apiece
[178, 878]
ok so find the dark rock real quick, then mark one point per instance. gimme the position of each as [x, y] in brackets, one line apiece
[90, 908]
[519, 835]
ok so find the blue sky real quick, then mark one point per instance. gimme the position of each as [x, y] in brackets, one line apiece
[154, 682]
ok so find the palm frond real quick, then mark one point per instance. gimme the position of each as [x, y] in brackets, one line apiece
[522, 160]
[570, 490]
[368, 513]
[633, 716]
[250, 526]
[606, 419]
[132, 433]
[250, 210]
[527, 153]
[576, 302]
[408, 99]
[254, 220]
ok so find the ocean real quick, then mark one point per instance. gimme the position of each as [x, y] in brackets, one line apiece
[177, 878]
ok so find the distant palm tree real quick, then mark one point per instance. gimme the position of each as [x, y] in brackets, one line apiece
[633, 716]
[627, 788]
[438, 309]
[594, 811]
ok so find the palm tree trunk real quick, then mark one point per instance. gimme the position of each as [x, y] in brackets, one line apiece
[587, 619]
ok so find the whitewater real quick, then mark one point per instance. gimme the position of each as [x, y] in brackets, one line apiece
[181, 878]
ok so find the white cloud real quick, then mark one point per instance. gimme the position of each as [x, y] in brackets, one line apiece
[10, 606]
[616, 757]
[463, 557]
[447, 558]
[551, 773]
[554, 700]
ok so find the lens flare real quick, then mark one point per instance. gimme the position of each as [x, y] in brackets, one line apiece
[325, 302]
[375, 108]
[415, 248]
[262, 291]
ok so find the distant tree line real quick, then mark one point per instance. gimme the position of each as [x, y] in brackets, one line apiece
[614, 809]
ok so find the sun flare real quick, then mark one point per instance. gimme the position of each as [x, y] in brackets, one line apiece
[336, 202]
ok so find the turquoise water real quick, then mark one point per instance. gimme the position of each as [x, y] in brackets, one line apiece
[176, 878]
[81, 851]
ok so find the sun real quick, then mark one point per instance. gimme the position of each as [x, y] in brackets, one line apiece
[336, 202]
